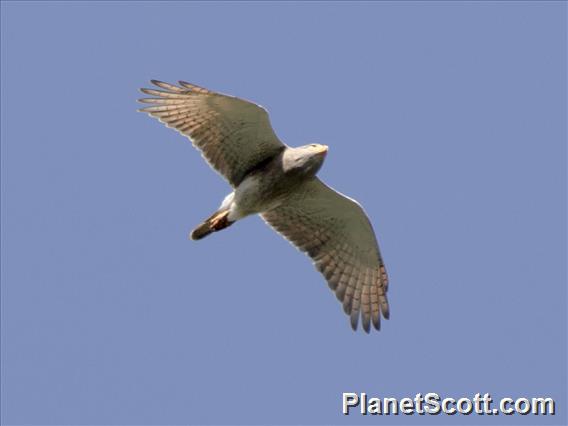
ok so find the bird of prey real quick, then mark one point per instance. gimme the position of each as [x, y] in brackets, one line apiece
[279, 183]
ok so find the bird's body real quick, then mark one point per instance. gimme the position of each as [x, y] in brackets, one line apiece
[279, 183]
[268, 185]
[255, 194]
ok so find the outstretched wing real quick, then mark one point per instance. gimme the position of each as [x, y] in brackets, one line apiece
[233, 135]
[336, 233]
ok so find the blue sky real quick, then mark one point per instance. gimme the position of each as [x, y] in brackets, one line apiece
[447, 121]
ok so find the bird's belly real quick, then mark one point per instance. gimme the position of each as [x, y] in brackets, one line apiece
[255, 194]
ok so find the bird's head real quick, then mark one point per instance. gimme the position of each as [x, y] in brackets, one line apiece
[305, 160]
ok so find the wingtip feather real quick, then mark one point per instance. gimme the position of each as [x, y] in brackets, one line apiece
[366, 324]
[377, 322]
[354, 320]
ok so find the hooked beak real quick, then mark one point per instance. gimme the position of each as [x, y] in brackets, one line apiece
[323, 149]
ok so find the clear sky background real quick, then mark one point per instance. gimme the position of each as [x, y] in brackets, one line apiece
[447, 121]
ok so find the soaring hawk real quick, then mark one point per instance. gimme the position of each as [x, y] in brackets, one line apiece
[279, 183]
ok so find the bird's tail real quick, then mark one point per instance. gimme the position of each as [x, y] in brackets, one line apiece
[217, 221]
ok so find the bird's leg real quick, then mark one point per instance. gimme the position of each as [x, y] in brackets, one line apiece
[220, 220]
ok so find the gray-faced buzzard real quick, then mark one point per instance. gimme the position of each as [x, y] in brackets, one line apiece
[279, 183]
